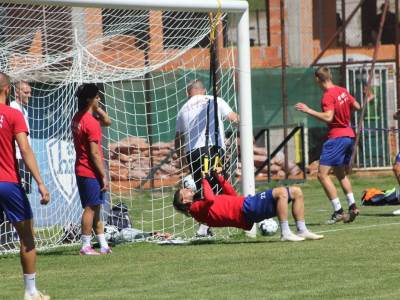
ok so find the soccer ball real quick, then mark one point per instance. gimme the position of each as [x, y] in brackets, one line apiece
[268, 227]
[188, 183]
[110, 232]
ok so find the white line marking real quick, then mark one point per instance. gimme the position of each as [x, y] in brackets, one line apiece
[359, 227]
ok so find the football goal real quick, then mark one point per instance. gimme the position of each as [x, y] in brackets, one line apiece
[141, 54]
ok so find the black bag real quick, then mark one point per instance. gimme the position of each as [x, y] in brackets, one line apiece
[119, 216]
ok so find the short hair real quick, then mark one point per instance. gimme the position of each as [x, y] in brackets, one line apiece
[4, 81]
[177, 203]
[323, 74]
[85, 93]
[194, 84]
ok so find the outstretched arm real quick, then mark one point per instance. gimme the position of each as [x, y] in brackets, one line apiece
[227, 188]
[324, 116]
[207, 191]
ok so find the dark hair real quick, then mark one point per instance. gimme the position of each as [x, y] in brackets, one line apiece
[323, 74]
[178, 205]
[85, 93]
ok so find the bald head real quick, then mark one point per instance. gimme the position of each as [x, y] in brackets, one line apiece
[23, 92]
[4, 81]
[195, 87]
[4, 87]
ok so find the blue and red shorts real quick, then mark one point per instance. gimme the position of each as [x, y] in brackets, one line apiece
[14, 203]
[336, 152]
[90, 191]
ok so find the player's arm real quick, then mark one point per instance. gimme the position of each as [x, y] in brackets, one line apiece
[98, 163]
[180, 148]
[227, 188]
[227, 111]
[31, 164]
[207, 191]
[104, 119]
[324, 116]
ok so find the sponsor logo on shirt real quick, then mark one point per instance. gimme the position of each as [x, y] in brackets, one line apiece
[1, 121]
[342, 98]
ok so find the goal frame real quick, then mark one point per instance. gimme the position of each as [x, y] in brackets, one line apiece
[239, 8]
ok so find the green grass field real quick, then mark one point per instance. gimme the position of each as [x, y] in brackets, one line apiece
[355, 261]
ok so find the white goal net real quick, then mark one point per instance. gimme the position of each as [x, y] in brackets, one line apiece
[142, 61]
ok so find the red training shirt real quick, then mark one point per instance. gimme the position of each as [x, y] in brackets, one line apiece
[12, 122]
[220, 210]
[340, 101]
[85, 129]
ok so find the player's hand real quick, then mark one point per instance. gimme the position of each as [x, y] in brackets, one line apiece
[204, 174]
[44, 193]
[302, 107]
[396, 115]
[104, 184]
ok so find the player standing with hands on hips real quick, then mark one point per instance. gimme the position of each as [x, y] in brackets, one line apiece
[13, 199]
[91, 177]
[337, 104]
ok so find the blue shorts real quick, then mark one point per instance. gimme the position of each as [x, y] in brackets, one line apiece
[336, 152]
[397, 159]
[89, 191]
[14, 203]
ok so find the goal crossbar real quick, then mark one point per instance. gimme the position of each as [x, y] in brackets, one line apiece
[228, 6]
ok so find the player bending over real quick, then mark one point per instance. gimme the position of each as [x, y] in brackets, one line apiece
[232, 210]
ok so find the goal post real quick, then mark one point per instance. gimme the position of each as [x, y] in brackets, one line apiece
[143, 88]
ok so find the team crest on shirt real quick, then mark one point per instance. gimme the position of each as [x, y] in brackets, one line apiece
[61, 157]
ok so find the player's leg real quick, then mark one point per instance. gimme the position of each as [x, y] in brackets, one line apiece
[396, 172]
[281, 198]
[18, 211]
[98, 228]
[87, 194]
[341, 171]
[297, 198]
[396, 168]
[328, 159]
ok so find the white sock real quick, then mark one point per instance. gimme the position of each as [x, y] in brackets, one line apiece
[301, 226]
[202, 229]
[30, 283]
[102, 240]
[336, 204]
[86, 239]
[285, 230]
[350, 199]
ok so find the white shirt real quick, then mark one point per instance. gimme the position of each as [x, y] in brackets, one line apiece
[191, 121]
[21, 108]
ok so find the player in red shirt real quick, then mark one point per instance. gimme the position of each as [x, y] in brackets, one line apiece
[13, 199]
[337, 105]
[231, 210]
[89, 167]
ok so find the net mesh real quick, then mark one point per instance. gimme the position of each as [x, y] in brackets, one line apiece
[142, 61]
